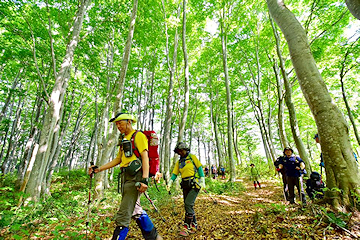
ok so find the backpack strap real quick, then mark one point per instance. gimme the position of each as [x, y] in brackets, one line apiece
[192, 161]
[133, 144]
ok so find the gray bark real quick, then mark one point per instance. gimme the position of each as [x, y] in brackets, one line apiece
[343, 72]
[108, 141]
[292, 112]
[53, 113]
[228, 100]
[354, 7]
[186, 78]
[169, 101]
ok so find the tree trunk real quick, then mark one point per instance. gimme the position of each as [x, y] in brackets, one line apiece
[110, 140]
[342, 76]
[53, 113]
[214, 124]
[354, 7]
[169, 100]
[340, 166]
[182, 122]
[9, 94]
[30, 143]
[292, 112]
[7, 163]
[228, 100]
[279, 86]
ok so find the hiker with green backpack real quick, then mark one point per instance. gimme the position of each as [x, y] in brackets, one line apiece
[193, 180]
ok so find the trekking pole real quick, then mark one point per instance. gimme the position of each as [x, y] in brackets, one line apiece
[215, 202]
[151, 202]
[301, 189]
[283, 190]
[89, 201]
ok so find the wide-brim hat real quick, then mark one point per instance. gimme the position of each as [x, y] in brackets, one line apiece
[181, 146]
[123, 116]
[288, 148]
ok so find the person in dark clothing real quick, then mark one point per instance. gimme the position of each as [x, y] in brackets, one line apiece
[222, 172]
[293, 166]
[283, 176]
[314, 186]
[213, 171]
[206, 171]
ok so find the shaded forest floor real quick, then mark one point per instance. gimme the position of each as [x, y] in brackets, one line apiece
[245, 214]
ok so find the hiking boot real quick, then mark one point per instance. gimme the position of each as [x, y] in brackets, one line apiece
[185, 231]
[193, 228]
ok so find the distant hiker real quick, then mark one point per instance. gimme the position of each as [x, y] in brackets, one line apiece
[213, 171]
[254, 175]
[294, 166]
[222, 172]
[206, 171]
[315, 186]
[133, 170]
[283, 176]
[192, 176]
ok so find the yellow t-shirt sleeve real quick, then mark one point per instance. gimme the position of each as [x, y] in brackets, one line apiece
[141, 142]
[196, 161]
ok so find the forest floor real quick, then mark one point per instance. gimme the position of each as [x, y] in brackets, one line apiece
[254, 214]
[250, 214]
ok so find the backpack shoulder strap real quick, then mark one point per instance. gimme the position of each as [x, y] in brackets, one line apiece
[133, 144]
[192, 161]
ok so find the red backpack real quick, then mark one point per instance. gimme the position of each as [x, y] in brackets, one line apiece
[153, 144]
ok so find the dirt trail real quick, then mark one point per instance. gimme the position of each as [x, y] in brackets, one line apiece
[254, 214]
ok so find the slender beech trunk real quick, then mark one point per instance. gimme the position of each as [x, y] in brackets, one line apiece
[30, 143]
[53, 113]
[111, 140]
[343, 72]
[340, 166]
[279, 86]
[228, 99]
[9, 94]
[192, 119]
[214, 122]
[169, 101]
[186, 78]
[292, 112]
[57, 143]
[6, 166]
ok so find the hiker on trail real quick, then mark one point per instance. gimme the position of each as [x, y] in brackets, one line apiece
[315, 186]
[133, 170]
[193, 180]
[254, 175]
[206, 171]
[283, 176]
[294, 167]
[222, 172]
[213, 171]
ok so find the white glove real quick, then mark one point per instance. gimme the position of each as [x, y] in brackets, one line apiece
[168, 186]
[202, 182]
